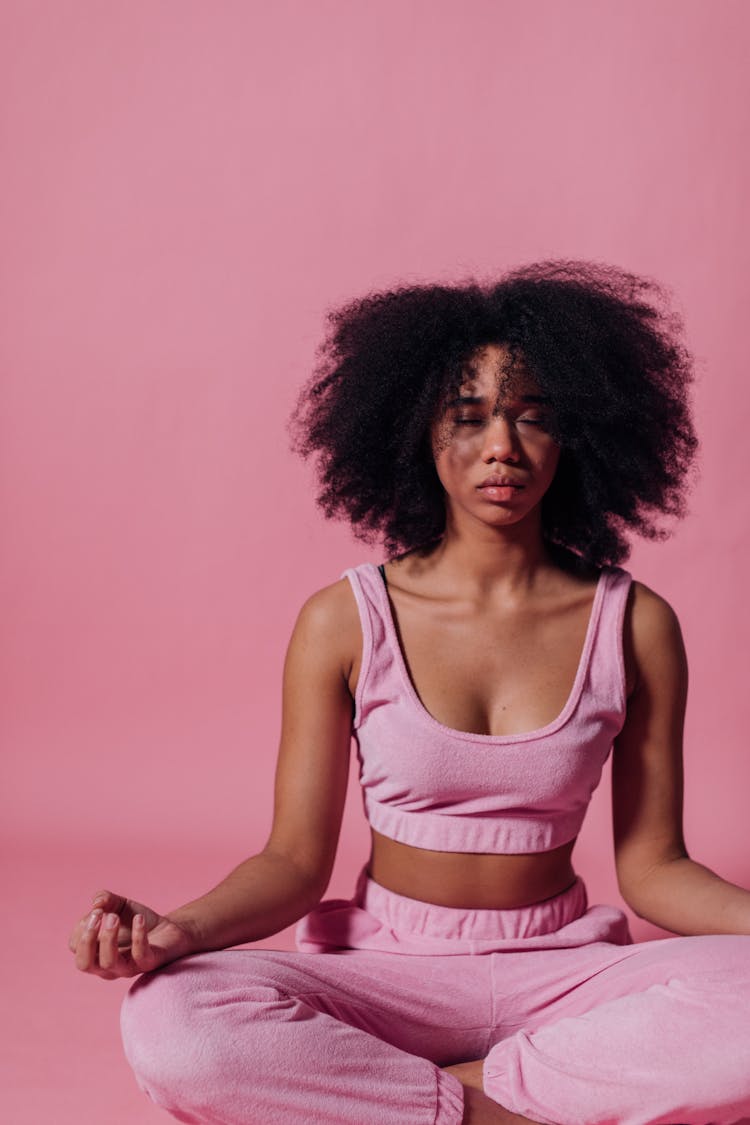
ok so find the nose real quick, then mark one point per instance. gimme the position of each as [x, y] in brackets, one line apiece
[501, 441]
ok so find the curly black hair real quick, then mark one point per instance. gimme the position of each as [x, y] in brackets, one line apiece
[603, 345]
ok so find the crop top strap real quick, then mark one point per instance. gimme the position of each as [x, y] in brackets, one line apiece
[608, 664]
[366, 586]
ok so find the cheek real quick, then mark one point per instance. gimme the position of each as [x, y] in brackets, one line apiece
[443, 468]
[546, 459]
[452, 458]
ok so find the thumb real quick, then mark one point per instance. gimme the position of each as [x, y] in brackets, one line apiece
[108, 901]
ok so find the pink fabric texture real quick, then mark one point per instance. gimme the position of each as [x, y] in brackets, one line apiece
[376, 918]
[433, 787]
[578, 1025]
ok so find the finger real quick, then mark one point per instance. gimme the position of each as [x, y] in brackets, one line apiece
[86, 948]
[109, 901]
[109, 954]
[77, 934]
[142, 952]
[80, 927]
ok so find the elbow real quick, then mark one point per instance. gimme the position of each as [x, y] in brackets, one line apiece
[634, 903]
[629, 895]
[310, 877]
[638, 885]
[636, 894]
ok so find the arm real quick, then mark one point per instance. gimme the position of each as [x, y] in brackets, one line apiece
[656, 876]
[288, 877]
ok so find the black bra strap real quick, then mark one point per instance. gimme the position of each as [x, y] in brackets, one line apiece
[381, 568]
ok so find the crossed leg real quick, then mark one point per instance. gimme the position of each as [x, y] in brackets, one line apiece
[348, 1038]
[652, 1034]
[656, 1033]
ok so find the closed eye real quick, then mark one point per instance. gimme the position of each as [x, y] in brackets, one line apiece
[481, 421]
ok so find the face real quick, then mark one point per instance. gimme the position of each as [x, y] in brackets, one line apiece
[493, 451]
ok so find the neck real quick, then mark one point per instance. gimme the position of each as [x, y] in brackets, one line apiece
[487, 557]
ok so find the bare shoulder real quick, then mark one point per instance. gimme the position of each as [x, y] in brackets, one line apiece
[651, 616]
[331, 607]
[652, 637]
[329, 621]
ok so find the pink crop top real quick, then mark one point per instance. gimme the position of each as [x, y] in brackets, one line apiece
[448, 790]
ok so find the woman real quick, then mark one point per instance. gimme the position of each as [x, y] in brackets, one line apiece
[501, 439]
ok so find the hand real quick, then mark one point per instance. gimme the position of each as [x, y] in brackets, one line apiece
[121, 938]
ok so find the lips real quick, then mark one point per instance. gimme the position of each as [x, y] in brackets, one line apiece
[499, 482]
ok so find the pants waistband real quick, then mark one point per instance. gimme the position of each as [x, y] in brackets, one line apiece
[412, 916]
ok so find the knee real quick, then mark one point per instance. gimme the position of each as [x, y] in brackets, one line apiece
[180, 1025]
[157, 1023]
[716, 959]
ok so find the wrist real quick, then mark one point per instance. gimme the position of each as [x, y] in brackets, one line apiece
[188, 936]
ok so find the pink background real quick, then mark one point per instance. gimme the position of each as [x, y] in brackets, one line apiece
[186, 188]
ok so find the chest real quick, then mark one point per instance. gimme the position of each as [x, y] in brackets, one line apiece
[503, 672]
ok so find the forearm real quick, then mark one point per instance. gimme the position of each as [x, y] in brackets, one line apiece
[263, 895]
[687, 898]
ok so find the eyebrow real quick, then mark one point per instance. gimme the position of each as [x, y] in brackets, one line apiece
[477, 400]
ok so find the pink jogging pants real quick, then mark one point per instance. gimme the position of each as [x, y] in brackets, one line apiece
[578, 1026]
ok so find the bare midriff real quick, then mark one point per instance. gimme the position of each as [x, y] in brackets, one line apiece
[467, 880]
